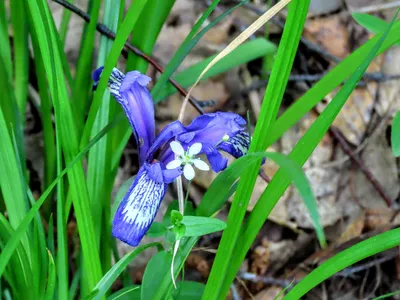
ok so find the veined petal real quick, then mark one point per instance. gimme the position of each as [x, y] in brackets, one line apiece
[131, 92]
[176, 163]
[237, 146]
[177, 148]
[194, 149]
[188, 172]
[138, 209]
[201, 165]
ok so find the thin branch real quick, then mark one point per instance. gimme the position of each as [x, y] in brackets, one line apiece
[110, 34]
[370, 177]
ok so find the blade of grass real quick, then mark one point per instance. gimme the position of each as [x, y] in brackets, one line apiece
[345, 258]
[21, 55]
[297, 14]
[65, 124]
[82, 86]
[109, 278]
[243, 54]
[146, 31]
[395, 135]
[371, 23]
[299, 154]
[66, 17]
[51, 279]
[11, 182]
[99, 159]
[19, 274]
[62, 244]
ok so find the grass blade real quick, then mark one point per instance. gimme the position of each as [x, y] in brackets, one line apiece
[345, 258]
[395, 135]
[108, 279]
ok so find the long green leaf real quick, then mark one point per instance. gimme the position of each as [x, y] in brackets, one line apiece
[108, 279]
[144, 35]
[21, 54]
[99, 159]
[371, 23]
[297, 14]
[51, 279]
[81, 88]
[395, 135]
[344, 259]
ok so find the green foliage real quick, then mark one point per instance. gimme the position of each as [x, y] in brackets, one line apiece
[395, 135]
[35, 236]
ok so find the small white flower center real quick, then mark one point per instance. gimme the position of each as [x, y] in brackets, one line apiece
[187, 159]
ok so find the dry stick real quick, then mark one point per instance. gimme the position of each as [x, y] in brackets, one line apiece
[371, 178]
[110, 34]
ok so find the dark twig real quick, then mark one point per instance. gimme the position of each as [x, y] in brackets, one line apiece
[110, 34]
[370, 177]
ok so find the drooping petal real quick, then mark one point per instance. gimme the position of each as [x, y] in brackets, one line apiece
[217, 161]
[188, 172]
[177, 148]
[139, 207]
[163, 139]
[201, 165]
[194, 149]
[237, 145]
[176, 163]
[131, 92]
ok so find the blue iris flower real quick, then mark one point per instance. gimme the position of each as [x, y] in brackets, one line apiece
[172, 153]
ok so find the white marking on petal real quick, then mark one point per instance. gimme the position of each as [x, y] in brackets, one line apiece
[195, 149]
[143, 202]
[174, 164]
[188, 172]
[177, 148]
[201, 165]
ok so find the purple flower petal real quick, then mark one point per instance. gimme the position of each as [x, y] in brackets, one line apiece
[166, 135]
[206, 129]
[139, 207]
[131, 92]
[237, 145]
[217, 161]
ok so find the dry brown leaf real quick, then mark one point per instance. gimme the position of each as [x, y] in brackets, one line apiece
[330, 33]
[354, 229]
